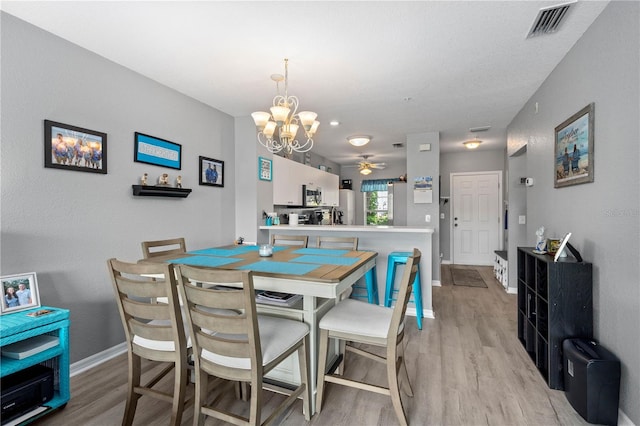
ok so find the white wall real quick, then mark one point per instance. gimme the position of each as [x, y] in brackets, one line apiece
[603, 216]
[64, 225]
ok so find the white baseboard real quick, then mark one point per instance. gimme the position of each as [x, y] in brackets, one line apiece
[97, 359]
[436, 283]
[426, 313]
[623, 420]
[445, 262]
[512, 290]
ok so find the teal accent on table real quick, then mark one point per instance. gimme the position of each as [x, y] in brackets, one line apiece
[209, 261]
[320, 251]
[232, 251]
[281, 267]
[326, 260]
[19, 326]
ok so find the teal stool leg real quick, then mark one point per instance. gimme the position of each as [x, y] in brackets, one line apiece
[371, 279]
[417, 295]
[391, 276]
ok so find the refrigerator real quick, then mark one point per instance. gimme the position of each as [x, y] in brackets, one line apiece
[347, 205]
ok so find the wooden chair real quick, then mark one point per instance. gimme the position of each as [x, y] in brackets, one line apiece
[238, 347]
[163, 247]
[153, 331]
[289, 240]
[360, 322]
[350, 243]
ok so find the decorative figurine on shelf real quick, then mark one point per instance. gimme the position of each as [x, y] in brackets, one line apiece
[179, 182]
[143, 179]
[541, 242]
[163, 179]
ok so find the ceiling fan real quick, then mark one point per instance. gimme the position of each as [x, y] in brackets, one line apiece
[365, 167]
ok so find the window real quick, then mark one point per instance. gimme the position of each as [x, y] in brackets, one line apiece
[379, 207]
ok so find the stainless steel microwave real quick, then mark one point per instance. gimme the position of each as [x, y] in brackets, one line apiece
[311, 196]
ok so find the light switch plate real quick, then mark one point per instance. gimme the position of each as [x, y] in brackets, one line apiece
[427, 218]
[522, 220]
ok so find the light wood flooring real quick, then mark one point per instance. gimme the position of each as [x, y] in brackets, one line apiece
[467, 367]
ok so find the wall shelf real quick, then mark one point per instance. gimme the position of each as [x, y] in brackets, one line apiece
[160, 191]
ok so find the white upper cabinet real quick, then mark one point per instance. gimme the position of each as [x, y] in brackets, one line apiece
[289, 176]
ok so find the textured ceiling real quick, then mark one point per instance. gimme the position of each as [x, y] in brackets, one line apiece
[384, 69]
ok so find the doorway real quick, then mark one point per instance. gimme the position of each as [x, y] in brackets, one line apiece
[476, 217]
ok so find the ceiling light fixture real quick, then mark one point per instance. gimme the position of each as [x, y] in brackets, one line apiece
[334, 123]
[472, 144]
[284, 119]
[359, 140]
[365, 171]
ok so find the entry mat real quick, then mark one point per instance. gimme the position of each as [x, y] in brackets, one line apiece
[321, 251]
[224, 252]
[326, 260]
[280, 267]
[209, 261]
[467, 277]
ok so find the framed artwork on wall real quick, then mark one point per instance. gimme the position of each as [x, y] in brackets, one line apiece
[573, 150]
[265, 168]
[156, 151]
[19, 292]
[74, 148]
[211, 172]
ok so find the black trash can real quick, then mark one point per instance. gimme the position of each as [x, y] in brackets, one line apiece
[592, 380]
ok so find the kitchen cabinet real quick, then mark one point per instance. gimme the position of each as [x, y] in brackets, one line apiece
[289, 176]
[287, 190]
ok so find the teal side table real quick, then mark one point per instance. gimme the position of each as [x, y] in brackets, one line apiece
[19, 326]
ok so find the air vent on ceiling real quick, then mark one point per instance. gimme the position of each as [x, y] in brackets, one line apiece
[479, 129]
[549, 19]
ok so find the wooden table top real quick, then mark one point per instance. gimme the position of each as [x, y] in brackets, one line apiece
[287, 262]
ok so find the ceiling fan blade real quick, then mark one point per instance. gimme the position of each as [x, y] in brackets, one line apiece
[378, 166]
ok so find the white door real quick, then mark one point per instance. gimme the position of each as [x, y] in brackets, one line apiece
[476, 217]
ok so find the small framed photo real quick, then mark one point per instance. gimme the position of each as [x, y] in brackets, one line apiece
[211, 172]
[265, 167]
[573, 155]
[156, 151]
[19, 292]
[74, 148]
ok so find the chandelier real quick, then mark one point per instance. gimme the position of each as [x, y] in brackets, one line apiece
[285, 120]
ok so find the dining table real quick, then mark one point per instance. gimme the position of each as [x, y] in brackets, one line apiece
[319, 275]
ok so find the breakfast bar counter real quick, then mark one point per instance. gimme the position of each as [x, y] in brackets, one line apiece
[383, 240]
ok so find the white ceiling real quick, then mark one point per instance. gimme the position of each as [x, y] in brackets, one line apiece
[461, 64]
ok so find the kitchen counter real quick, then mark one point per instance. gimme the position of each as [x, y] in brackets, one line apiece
[352, 228]
[382, 239]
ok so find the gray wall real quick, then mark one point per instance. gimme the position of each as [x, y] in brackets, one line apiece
[460, 162]
[603, 67]
[425, 163]
[64, 225]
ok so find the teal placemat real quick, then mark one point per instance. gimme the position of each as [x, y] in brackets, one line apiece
[321, 251]
[326, 260]
[224, 252]
[280, 267]
[209, 261]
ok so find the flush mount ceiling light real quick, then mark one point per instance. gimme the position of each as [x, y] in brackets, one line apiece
[284, 119]
[359, 140]
[472, 144]
[365, 171]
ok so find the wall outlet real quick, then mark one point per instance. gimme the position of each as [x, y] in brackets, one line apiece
[522, 220]
[427, 218]
[441, 215]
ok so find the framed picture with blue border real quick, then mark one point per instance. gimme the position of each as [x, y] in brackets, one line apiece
[156, 151]
[265, 168]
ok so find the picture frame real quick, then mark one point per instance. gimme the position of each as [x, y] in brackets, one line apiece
[211, 172]
[74, 148]
[573, 149]
[265, 169]
[24, 293]
[158, 152]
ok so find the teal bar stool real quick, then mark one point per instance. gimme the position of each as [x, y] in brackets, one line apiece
[371, 282]
[400, 258]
